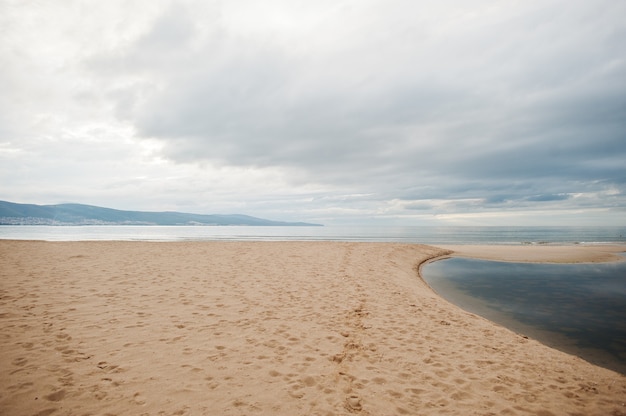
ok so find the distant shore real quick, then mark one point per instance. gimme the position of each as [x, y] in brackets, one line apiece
[272, 328]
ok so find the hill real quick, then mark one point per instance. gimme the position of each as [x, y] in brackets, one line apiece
[78, 214]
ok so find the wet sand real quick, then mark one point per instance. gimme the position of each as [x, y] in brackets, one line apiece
[269, 328]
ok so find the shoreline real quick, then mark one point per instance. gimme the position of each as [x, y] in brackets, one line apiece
[556, 256]
[265, 328]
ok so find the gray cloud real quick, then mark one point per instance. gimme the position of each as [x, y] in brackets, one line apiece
[482, 103]
[548, 197]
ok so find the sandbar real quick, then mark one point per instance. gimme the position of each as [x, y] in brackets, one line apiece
[266, 328]
[539, 253]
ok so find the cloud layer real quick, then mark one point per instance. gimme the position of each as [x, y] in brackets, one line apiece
[474, 112]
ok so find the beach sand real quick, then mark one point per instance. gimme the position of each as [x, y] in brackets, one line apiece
[268, 328]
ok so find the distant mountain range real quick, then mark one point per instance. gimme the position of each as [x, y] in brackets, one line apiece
[79, 214]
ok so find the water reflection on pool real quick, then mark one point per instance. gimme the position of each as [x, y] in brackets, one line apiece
[579, 308]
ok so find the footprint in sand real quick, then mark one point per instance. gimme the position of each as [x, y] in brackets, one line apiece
[353, 404]
[138, 399]
[46, 412]
[56, 396]
[103, 365]
[20, 361]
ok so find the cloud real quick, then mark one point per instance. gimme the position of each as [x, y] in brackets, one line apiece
[463, 107]
[548, 197]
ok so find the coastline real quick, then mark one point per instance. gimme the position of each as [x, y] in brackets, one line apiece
[267, 328]
[570, 312]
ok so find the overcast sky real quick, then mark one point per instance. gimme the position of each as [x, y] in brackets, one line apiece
[390, 112]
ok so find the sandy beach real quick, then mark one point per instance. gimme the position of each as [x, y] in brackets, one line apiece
[271, 328]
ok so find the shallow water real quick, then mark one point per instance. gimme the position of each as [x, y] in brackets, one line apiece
[578, 308]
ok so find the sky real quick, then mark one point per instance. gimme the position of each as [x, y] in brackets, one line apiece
[394, 112]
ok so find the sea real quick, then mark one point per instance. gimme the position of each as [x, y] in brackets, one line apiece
[403, 234]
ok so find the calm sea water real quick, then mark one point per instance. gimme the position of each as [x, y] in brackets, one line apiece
[424, 235]
[579, 308]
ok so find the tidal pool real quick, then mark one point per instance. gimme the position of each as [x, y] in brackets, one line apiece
[578, 308]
